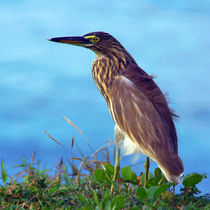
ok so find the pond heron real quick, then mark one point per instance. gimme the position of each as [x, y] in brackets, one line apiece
[143, 119]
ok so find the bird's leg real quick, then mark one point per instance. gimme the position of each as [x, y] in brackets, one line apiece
[146, 168]
[118, 136]
[117, 163]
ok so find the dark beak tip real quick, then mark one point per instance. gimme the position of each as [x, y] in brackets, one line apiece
[52, 40]
[56, 39]
[69, 40]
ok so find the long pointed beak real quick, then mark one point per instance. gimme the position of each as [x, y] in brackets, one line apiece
[74, 40]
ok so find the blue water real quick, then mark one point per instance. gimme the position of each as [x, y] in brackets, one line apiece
[41, 81]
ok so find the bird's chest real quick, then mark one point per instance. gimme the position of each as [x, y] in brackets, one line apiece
[103, 72]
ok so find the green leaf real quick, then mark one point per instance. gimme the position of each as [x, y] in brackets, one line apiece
[157, 172]
[161, 205]
[152, 182]
[143, 178]
[109, 172]
[207, 207]
[81, 197]
[2, 189]
[151, 191]
[114, 185]
[3, 172]
[141, 193]
[86, 208]
[192, 179]
[100, 175]
[118, 202]
[96, 199]
[108, 206]
[109, 168]
[160, 190]
[128, 175]
[126, 172]
[105, 199]
[53, 189]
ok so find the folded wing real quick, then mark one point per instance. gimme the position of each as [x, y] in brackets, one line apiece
[140, 110]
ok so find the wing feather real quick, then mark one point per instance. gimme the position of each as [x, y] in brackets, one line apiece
[141, 111]
[149, 88]
[136, 116]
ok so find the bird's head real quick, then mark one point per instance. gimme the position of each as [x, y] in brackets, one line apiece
[100, 42]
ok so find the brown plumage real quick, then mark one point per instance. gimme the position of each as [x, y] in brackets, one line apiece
[137, 105]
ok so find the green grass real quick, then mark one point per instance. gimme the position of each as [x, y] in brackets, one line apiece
[86, 185]
[33, 188]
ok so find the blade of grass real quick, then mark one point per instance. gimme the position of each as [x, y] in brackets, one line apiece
[96, 199]
[72, 124]
[80, 168]
[53, 139]
[80, 151]
[32, 160]
[3, 172]
[66, 177]
[24, 162]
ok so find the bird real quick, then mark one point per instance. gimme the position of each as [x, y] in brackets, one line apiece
[144, 123]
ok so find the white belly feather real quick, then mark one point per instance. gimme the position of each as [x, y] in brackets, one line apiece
[129, 147]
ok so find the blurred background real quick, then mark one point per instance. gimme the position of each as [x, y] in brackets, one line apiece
[41, 81]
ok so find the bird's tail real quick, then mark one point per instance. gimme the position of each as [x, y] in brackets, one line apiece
[172, 167]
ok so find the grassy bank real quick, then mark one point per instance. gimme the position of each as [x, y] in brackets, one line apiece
[33, 188]
[84, 182]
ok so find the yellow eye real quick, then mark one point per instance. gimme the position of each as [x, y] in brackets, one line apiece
[93, 39]
[96, 39]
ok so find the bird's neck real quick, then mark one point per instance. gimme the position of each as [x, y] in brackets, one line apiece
[118, 55]
[105, 68]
